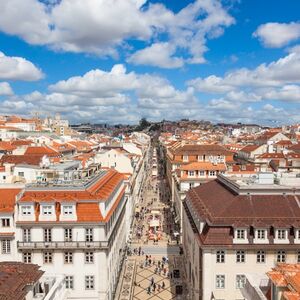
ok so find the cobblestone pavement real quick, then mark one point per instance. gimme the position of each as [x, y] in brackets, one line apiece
[135, 282]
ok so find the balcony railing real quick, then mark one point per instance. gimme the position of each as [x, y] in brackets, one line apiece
[62, 245]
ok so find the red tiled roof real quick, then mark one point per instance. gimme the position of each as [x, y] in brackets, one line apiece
[33, 160]
[249, 148]
[220, 206]
[89, 211]
[43, 150]
[8, 199]
[21, 143]
[6, 146]
[203, 166]
[272, 155]
[15, 277]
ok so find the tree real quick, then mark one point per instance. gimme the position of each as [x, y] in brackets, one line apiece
[143, 124]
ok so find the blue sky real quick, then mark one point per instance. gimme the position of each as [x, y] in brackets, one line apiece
[117, 61]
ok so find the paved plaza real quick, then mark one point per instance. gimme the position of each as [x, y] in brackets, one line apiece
[155, 280]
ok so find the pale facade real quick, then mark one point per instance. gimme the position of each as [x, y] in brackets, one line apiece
[224, 240]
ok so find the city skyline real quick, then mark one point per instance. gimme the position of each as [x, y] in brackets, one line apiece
[91, 61]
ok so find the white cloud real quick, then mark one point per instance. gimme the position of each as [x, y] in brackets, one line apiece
[158, 54]
[101, 26]
[276, 35]
[18, 68]
[275, 74]
[5, 89]
[290, 93]
[107, 96]
[211, 84]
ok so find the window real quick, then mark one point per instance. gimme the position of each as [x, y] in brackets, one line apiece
[200, 158]
[6, 247]
[201, 173]
[69, 282]
[212, 173]
[240, 256]
[280, 256]
[89, 234]
[220, 281]
[68, 210]
[68, 234]
[47, 235]
[261, 234]
[27, 257]
[26, 210]
[47, 257]
[220, 256]
[47, 210]
[21, 174]
[26, 235]
[240, 281]
[240, 234]
[260, 256]
[281, 234]
[89, 282]
[5, 222]
[68, 257]
[89, 257]
[191, 185]
[298, 234]
[191, 173]
[298, 257]
[185, 158]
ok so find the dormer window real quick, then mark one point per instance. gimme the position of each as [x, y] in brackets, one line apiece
[241, 234]
[26, 210]
[212, 173]
[191, 173]
[67, 210]
[185, 158]
[47, 210]
[200, 158]
[281, 234]
[261, 234]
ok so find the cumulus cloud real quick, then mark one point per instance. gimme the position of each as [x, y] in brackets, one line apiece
[5, 89]
[112, 96]
[275, 74]
[158, 54]
[18, 68]
[276, 35]
[102, 26]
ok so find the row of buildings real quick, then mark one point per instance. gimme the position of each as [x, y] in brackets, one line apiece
[238, 214]
[66, 207]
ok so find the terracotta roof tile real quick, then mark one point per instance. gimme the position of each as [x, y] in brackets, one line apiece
[8, 199]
